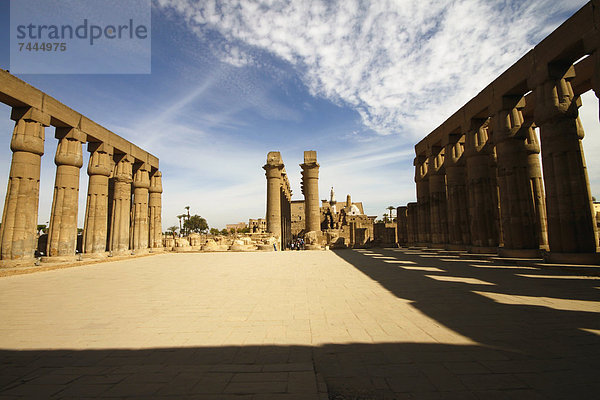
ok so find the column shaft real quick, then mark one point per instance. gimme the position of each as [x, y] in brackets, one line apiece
[273, 169]
[141, 184]
[413, 222]
[96, 213]
[155, 209]
[459, 233]
[402, 225]
[522, 202]
[121, 207]
[310, 188]
[424, 210]
[19, 219]
[483, 192]
[438, 198]
[571, 223]
[62, 232]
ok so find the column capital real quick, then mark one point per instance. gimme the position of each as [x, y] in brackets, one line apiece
[435, 161]
[141, 178]
[453, 154]
[554, 97]
[101, 162]
[477, 139]
[69, 151]
[30, 114]
[421, 166]
[156, 183]
[123, 170]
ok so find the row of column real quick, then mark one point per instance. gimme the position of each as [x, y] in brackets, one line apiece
[484, 190]
[115, 220]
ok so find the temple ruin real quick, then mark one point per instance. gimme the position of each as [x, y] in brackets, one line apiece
[279, 195]
[123, 210]
[478, 175]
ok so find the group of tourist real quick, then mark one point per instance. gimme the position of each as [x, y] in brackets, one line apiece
[297, 244]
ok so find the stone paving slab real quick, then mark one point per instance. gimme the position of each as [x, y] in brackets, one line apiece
[368, 324]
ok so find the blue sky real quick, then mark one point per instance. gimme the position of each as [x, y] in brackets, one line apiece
[359, 82]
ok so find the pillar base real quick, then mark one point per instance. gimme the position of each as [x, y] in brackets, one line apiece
[162, 249]
[572, 258]
[61, 259]
[265, 247]
[423, 244]
[94, 256]
[483, 250]
[138, 252]
[519, 253]
[17, 263]
[456, 247]
[313, 247]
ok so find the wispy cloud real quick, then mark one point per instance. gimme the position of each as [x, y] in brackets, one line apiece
[403, 65]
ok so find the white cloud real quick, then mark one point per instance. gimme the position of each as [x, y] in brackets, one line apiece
[403, 65]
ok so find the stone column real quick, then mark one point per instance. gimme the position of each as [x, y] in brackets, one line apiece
[310, 189]
[422, 181]
[96, 213]
[155, 209]
[482, 189]
[273, 169]
[141, 184]
[121, 207]
[437, 198]
[522, 203]
[571, 223]
[459, 235]
[402, 225]
[62, 232]
[19, 220]
[413, 222]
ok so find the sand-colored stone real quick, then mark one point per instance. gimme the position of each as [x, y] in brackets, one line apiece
[522, 199]
[571, 225]
[437, 197]
[424, 210]
[459, 232]
[62, 232]
[141, 184]
[310, 189]
[19, 219]
[121, 204]
[402, 225]
[155, 211]
[483, 192]
[96, 215]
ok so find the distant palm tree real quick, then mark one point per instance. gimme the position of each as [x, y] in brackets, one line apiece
[172, 229]
[385, 217]
[180, 216]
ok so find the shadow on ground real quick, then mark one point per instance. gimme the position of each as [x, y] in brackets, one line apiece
[536, 348]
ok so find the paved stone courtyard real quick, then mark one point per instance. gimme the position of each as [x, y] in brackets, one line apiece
[349, 324]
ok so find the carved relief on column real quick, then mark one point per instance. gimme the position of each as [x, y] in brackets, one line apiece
[155, 210]
[62, 232]
[459, 231]
[121, 207]
[273, 168]
[19, 220]
[141, 184]
[437, 197]
[522, 202]
[571, 223]
[424, 221]
[413, 222]
[402, 225]
[482, 188]
[96, 214]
